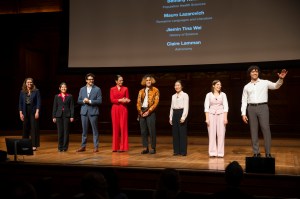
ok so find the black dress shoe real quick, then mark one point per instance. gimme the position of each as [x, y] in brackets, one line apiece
[145, 151]
[175, 154]
[268, 155]
[256, 155]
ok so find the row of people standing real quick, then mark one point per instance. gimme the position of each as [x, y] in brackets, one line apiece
[90, 96]
[29, 111]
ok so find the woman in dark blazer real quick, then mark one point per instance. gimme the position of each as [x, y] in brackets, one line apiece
[29, 108]
[63, 114]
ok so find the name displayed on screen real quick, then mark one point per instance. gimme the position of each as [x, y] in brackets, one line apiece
[130, 33]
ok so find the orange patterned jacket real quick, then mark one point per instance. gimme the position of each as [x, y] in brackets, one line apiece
[153, 99]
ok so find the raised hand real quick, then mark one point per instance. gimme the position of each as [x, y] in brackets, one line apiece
[282, 74]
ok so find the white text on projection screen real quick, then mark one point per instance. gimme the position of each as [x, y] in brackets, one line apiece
[130, 33]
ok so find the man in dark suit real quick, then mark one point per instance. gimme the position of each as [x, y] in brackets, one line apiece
[89, 98]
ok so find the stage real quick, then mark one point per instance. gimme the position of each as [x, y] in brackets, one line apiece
[285, 151]
[132, 166]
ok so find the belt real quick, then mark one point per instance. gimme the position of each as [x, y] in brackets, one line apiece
[178, 109]
[257, 104]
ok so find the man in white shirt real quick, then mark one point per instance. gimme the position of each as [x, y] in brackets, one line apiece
[255, 101]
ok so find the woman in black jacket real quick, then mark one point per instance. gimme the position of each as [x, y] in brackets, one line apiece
[29, 108]
[63, 114]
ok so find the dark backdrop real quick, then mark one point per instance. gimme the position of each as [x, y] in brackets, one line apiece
[34, 44]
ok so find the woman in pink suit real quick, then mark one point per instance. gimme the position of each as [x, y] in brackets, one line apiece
[119, 97]
[216, 109]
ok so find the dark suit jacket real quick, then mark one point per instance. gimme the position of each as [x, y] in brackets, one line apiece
[95, 97]
[35, 101]
[59, 104]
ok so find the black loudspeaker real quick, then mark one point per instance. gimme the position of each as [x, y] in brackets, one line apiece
[3, 156]
[260, 165]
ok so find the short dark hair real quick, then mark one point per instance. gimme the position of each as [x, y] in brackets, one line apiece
[94, 182]
[169, 180]
[253, 67]
[63, 83]
[234, 173]
[89, 75]
[180, 82]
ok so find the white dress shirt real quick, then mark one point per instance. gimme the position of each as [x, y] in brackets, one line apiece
[145, 102]
[88, 89]
[257, 92]
[180, 101]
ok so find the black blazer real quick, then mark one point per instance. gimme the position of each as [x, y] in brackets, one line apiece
[68, 106]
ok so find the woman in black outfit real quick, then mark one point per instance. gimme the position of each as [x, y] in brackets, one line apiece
[63, 114]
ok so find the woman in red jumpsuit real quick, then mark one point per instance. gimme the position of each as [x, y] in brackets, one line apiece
[119, 97]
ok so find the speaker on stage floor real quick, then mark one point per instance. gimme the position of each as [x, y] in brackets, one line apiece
[260, 165]
[3, 156]
[17, 147]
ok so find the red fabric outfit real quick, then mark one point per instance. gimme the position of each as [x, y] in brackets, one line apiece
[119, 117]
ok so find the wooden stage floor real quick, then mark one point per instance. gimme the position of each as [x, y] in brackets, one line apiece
[286, 153]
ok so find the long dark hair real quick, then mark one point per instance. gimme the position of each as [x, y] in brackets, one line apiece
[24, 87]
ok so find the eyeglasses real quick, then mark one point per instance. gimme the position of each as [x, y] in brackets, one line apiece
[90, 79]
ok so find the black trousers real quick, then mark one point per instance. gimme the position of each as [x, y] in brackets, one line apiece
[147, 125]
[31, 127]
[63, 130]
[179, 132]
